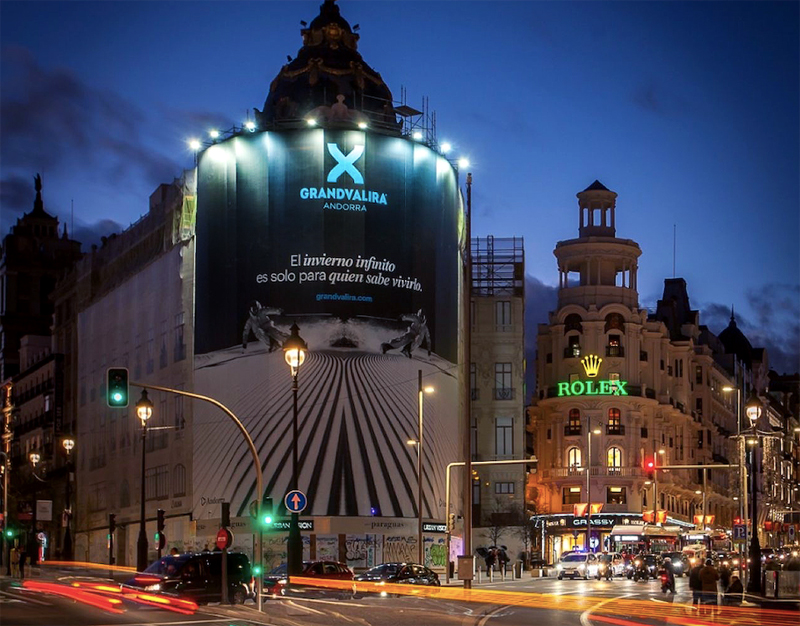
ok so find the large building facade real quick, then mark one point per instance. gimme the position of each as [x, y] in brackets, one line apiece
[619, 388]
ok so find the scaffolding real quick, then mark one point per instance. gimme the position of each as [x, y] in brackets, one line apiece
[498, 266]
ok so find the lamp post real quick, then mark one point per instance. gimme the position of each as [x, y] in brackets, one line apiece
[66, 552]
[421, 391]
[144, 411]
[589, 433]
[741, 454]
[294, 350]
[753, 412]
[33, 540]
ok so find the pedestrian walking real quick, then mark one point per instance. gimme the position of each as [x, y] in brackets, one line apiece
[15, 562]
[491, 557]
[695, 584]
[708, 578]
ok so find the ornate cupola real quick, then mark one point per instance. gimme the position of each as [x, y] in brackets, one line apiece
[329, 81]
[597, 268]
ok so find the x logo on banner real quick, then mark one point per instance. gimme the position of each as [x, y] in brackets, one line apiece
[345, 164]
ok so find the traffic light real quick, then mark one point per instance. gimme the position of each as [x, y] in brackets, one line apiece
[451, 522]
[737, 520]
[266, 512]
[9, 534]
[257, 570]
[112, 523]
[225, 515]
[161, 540]
[117, 387]
[650, 468]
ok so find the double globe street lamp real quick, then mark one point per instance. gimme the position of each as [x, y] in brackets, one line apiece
[294, 350]
[66, 552]
[752, 410]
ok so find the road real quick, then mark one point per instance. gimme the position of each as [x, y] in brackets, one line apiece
[511, 603]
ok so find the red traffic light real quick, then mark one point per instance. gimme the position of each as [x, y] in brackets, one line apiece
[650, 465]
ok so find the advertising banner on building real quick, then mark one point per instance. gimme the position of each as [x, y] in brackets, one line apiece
[354, 237]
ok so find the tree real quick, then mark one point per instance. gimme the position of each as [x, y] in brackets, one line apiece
[525, 530]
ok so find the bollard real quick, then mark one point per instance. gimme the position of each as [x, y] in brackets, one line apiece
[480, 575]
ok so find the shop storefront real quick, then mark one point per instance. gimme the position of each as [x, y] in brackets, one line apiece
[562, 533]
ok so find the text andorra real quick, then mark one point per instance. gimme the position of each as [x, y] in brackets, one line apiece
[338, 193]
[593, 388]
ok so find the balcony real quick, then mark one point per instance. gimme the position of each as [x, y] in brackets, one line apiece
[503, 393]
[572, 352]
[572, 431]
[615, 351]
[615, 429]
[615, 472]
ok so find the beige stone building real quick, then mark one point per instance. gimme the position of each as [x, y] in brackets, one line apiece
[617, 388]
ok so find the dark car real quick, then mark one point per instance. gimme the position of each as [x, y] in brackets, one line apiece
[652, 563]
[401, 573]
[275, 581]
[197, 577]
[680, 562]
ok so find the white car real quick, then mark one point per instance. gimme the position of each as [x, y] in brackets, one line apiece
[577, 564]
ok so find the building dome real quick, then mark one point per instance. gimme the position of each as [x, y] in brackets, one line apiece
[735, 342]
[328, 80]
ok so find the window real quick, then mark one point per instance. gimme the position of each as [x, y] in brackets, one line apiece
[698, 406]
[614, 459]
[616, 495]
[573, 349]
[474, 432]
[180, 421]
[157, 483]
[574, 424]
[502, 382]
[473, 380]
[614, 321]
[162, 352]
[698, 374]
[614, 347]
[502, 316]
[504, 488]
[574, 457]
[573, 322]
[476, 492]
[180, 346]
[549, 434]
[571, 495]
[614, 426]
[504, 436]
[179, 480]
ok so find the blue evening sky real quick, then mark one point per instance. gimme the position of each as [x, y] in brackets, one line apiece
[689, 111]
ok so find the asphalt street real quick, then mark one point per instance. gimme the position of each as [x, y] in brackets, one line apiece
[558, 603]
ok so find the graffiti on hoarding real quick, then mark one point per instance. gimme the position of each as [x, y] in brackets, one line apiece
[399, 549]
[436, 555]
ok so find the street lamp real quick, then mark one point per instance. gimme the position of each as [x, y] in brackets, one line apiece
[589, 433]
[66, 552]
[294, 351]
[144, 411]
[34, 458]
[753, 411]
[421, 391]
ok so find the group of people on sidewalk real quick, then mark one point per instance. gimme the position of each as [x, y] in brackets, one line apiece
[703, 580]
[17, 558]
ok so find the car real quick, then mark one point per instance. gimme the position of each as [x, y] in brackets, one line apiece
[400, 573]
[577, 564]
[197, 577]
[680, 562]
[275, 581]
[652, 563]
[767, 554]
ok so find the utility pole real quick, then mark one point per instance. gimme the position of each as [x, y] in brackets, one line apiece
[467, 424]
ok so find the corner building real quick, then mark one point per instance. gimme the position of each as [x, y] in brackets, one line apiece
[616, 387]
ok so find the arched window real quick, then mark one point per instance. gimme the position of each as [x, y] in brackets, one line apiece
[615, 321]
[574, 418]
[573, 322]
[574, 457]
[614, 459]
[179, 480]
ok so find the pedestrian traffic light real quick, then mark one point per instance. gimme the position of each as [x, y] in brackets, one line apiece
[112, 523]
[266, 512]
[257, 570]
[225, 515]
[160, 520]
[117, 387]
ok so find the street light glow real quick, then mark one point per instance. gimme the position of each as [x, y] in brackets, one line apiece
[463, 163]
[362, 125]
[446, 147]
[417, 135]
[411, 442]
[213, 133]
[311, 121]
[194, 144]
[144, 408]
[251, 126]
[728, 388]
[428, 389]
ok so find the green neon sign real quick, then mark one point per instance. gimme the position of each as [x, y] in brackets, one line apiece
[593, 388]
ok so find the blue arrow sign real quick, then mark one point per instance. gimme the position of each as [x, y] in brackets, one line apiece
[295, 501]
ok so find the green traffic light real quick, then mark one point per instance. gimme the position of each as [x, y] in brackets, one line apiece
[257, 570]
[267, 520]
[9, 533]
[117, 396]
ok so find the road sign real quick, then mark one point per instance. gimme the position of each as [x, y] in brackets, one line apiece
[791, 532]
[739, 532]
[224, 538]
[295, 501]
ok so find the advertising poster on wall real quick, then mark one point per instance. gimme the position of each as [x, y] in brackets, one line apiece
[355, 237]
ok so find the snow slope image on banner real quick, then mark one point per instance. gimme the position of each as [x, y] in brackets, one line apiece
[355, 238]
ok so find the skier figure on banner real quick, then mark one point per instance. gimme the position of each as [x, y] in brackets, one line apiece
[412, 339]
[260, 324]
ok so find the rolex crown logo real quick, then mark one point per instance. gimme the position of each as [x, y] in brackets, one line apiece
[591, 364]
